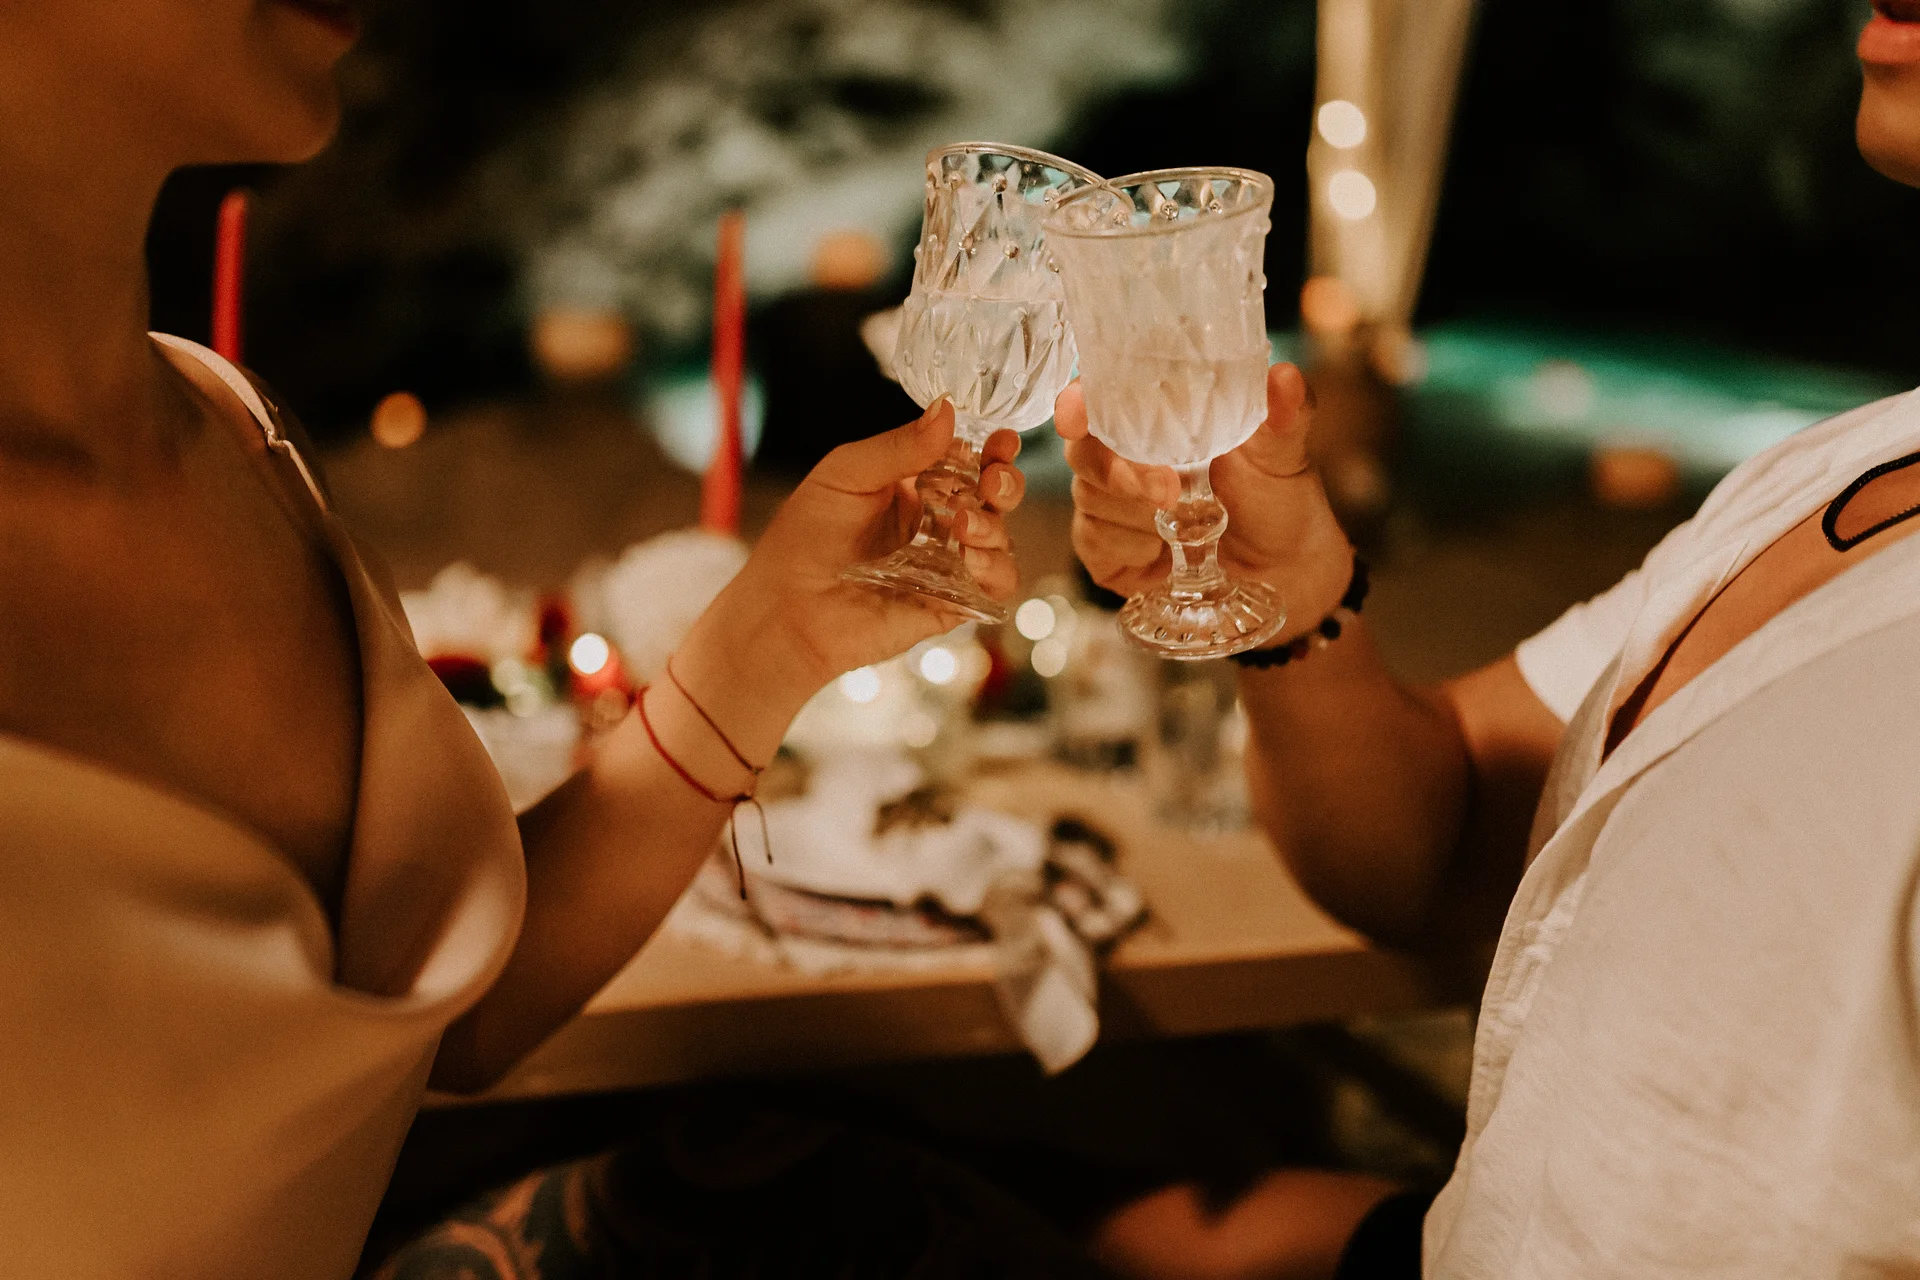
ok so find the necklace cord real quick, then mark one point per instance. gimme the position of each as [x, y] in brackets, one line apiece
[1829, 523]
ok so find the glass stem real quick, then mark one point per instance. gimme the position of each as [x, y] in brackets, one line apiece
[950, 486]
[1192, 527]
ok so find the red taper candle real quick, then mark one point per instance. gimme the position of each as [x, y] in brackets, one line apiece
[229, 271]
[720, 491]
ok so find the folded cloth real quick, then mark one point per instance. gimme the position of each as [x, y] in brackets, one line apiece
[835, 840]
[1046, 982]
[869, 871]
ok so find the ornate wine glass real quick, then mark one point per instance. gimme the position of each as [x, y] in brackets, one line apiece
[1163, 281]
[985, 325]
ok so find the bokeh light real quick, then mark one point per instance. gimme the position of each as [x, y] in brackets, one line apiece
[938, 665]
[1352, 195]
[399, 420]
[1328, 306]
[919, 730]
[1342, 124]
[1049, 658]
[581, 344]
[861, 686]
[1034, 620]
[589, 654]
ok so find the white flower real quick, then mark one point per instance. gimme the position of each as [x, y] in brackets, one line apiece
[653, 594]
[470, 614]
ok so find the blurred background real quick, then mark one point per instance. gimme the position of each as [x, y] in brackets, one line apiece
[1679, 168]
[1654, 249]
[1654, 252]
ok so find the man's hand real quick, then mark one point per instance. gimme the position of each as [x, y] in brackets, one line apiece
[1281, 530]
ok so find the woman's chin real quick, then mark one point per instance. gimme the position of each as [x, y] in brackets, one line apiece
[316, 134]
[1888, 126]
[297, 126]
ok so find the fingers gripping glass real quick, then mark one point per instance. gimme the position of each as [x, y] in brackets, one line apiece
[1164, 290]
[985, 326]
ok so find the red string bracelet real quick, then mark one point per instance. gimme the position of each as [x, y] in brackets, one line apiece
[718, 732]
[734, 802]
[756, 770]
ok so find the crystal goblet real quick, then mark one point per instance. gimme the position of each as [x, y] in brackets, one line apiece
[984, 326]
[1164, 290]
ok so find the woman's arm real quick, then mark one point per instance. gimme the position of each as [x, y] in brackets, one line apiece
[1403, 812]
[612, 849]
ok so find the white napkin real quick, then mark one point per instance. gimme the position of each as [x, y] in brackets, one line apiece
[471, 614]
[983, 864]
[1047, 985]
[824, 841]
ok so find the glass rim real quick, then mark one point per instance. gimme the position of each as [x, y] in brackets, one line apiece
[1055, 227]
[1087, 176]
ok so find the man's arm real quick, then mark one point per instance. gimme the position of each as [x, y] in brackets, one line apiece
[1403, 812]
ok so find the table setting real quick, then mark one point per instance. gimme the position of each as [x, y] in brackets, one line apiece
[874, 847]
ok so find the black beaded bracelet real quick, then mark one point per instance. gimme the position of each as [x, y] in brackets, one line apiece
[1321, 636]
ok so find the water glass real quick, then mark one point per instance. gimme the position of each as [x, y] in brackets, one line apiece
[984, 326]
[1164, 291]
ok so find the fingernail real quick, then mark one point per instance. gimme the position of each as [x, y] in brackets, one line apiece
[977, 561]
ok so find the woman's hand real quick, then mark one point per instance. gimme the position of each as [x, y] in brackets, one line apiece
[1280, 531]
[787, 624]
[860, 503]
[611, 850]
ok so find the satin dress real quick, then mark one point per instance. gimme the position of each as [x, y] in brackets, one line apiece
[199, 1076]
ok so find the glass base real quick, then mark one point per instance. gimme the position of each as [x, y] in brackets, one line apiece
[934, 572]
[1235, 617]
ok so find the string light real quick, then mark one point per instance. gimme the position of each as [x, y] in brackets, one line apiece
[1342, 124]
[1351, 194]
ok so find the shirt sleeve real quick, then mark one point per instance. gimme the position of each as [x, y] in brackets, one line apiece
[1561, 663]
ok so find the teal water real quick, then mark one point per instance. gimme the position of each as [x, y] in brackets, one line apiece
[1710, 408]
[1504, 410]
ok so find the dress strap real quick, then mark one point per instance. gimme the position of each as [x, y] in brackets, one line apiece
[256, 404]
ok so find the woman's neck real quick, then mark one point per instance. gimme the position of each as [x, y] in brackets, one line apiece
[74, 357]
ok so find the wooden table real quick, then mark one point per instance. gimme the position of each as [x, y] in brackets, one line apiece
[1233, 945]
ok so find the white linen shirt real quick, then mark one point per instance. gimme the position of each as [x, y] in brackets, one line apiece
[1699, 1049]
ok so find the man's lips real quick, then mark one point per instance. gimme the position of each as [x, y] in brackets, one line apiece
[339, 17]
